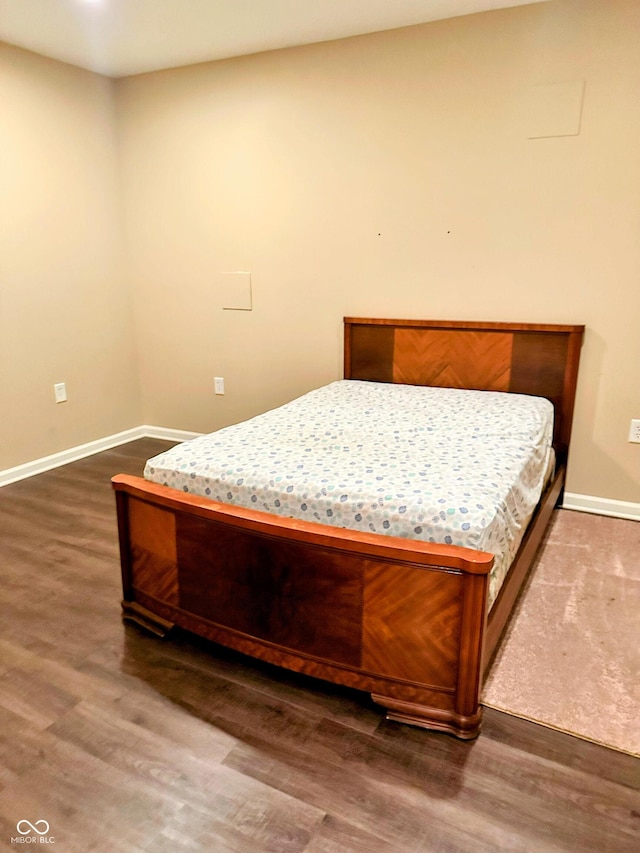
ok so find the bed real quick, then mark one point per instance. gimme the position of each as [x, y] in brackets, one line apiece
[411, 621]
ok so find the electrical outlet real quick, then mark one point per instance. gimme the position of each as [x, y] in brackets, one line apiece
[218, 384]
[60, 391]
[634, 432]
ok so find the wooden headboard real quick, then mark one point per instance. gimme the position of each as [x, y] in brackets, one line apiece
[523, 358]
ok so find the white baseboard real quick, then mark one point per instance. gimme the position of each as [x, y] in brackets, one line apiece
[46, 463]
[601, 506]
[167, 434]
[582, 503]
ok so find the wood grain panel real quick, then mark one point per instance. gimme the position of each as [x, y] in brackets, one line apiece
[447, 359]
[152, 529]
[286, 593]
[369, 350]
[153, 550]
[539, 364]
[411, 624]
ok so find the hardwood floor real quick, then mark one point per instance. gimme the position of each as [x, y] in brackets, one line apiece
[123, 742]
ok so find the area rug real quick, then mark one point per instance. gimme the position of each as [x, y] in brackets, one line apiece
[571, 656]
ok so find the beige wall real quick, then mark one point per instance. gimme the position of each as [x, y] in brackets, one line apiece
[390, 175]
[387, 175]
[64, 309]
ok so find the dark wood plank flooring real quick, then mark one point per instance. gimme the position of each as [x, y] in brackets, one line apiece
[123, 742]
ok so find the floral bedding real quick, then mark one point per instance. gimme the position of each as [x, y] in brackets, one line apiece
[434, 464]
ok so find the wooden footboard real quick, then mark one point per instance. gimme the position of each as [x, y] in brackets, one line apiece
[402, 620]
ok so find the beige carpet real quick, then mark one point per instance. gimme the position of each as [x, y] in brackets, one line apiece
[571, 655]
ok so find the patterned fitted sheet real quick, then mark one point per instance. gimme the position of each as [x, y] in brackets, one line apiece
[435, 464]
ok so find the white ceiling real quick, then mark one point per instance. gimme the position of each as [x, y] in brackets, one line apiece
[123, 37]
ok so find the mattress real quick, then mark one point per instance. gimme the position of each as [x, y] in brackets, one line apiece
[434, 464]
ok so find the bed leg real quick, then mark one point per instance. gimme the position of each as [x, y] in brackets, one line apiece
[134, 612]
[465, 728]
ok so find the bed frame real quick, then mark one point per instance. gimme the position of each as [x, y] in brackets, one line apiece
[403, 620]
